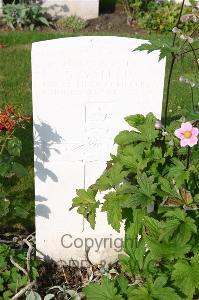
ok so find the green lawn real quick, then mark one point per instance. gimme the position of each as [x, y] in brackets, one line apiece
[15, 87]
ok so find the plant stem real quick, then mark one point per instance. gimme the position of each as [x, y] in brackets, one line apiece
[188, 51]
[195, 56]
[188, 157]
[168, 89]
[171, 68]
[192, 98]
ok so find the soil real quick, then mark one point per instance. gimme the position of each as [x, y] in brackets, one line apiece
[115, 22]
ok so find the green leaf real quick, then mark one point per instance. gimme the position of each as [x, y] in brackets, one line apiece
[21, 212]
[112, 206]
[49, 297]
[168, 251]
[4, 207]
[178, 172]
[152, 226]
[126, 137]
[122, 283]
[44, 21]
[111, 177]
[14, 146]
[1, 285]
[160, 281]
[186, 276]
[18, 169]
[135, 120]
[104, 291]
[165, 49]
[33, 296]
[136, 199]
[5, 165]
[167, 187]
[87, 205]
[164, 293]
[146, 184]
[7, 295]
[140, 293]
[148, 131]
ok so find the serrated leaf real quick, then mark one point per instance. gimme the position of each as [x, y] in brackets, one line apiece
[122, 283]
[87, 204]
[164, 49]
[167, 187]
[135, 120]
[178, 172]
[169, 251]
[140, 293]
[111, 177]
[186, 276]
[104, 291]
[146, 184]
[112, 206]
[164, 293]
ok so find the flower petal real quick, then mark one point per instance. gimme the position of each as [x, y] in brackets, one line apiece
[186, 126]
[195, 131]
[179, 133]
[192, 141]
[184, 142]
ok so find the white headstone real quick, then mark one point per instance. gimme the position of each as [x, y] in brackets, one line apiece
[83, 87]
[86, 9]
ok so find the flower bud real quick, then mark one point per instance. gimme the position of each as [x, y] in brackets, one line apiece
[158, 124]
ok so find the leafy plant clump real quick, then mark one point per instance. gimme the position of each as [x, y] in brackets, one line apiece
[10, 167]
[152, 185]
[158, 15]
[24, 15]
[74, 23]
[17, 271]
[162, 17]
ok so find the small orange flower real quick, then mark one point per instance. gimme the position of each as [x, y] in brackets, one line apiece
[9, 109]
[9, 119]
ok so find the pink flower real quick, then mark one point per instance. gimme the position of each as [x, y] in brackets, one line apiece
[187, 134]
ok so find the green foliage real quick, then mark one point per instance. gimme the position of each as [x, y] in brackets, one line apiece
[24, 15]
[186, 276]
[74, 23]
[102, 292]
[10, 167]
[152, 186]
[162, 17]
[11, 278]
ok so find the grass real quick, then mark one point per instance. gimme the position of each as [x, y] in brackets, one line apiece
[15, 87]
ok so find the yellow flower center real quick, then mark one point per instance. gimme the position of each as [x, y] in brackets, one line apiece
[187, 134]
